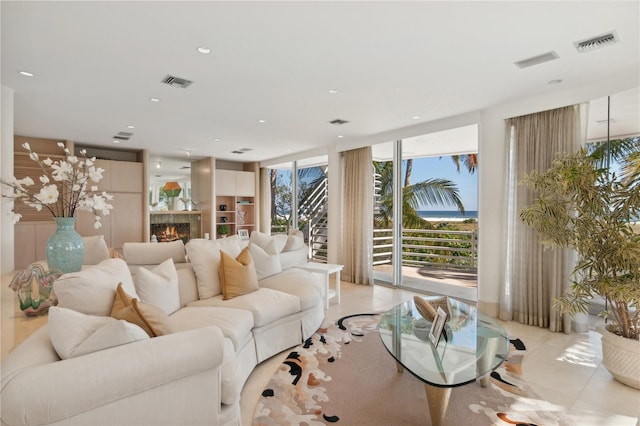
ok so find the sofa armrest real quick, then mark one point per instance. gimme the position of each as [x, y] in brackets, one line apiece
[55, 391]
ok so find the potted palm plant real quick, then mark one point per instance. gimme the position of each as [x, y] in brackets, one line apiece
[583, 206]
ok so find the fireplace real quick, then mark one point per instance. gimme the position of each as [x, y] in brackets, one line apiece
[166, 232]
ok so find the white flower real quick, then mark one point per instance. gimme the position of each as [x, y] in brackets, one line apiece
[62, 171]
[67, 194]
[48, 194]
[95, 174]
[16, 218]
[98, 223]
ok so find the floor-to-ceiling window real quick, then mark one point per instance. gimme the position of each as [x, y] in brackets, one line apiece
[299, 201]
[426, 219]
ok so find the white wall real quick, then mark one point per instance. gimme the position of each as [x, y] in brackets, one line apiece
[6, 171]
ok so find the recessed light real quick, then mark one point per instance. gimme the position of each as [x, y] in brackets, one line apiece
[288, 150]
[262, 121]
[415, 117]
[340, 136]
[116, 141]
[26, 73]
[131, 127]
[154, 99]
[203, 49]
[158, 165]
[216, 140]
[333, 91]
[554, 82]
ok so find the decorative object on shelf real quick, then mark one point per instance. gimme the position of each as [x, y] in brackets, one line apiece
[186, 204]
[223, 207]
[243, 234]
[65, 248]
[63, 190]
[223, 230]
[172, 191]
[35, 298]
[242, 214]
[223, 219]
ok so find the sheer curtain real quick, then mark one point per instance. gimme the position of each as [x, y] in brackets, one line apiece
[535, 276]
[357, 225]
[265, 200]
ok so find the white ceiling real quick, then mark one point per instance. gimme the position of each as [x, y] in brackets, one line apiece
[96, 65]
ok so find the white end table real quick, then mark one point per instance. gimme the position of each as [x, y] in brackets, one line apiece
[325, 269]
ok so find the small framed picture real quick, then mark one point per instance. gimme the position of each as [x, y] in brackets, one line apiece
[243, 234]
[437, 326]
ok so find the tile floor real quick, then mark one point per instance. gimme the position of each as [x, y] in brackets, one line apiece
[564, 369]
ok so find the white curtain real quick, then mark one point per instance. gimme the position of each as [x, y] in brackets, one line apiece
[357, 238]
[534, 275]
[265, 201]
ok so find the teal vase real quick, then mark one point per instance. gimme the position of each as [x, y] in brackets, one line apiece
[65, 248]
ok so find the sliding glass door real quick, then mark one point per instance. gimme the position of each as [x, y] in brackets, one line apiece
[425, 231]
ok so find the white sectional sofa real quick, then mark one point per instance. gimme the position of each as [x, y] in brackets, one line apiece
[113, 372]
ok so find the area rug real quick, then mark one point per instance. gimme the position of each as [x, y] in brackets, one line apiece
[344, 375]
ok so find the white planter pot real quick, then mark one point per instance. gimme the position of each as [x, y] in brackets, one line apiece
[620, 356]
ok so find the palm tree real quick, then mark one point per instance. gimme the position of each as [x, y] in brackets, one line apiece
[433, 191]
[470, 162]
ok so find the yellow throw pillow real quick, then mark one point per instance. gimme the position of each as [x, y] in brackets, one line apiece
[150, 318]
[237, 276]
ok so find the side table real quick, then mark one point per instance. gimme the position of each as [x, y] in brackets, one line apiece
[325, 269]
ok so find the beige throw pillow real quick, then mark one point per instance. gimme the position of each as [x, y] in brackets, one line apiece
[92, 289]
[237, 276]
[159, 286]
[263, 240]
[204, 256]
[267, 261]
[74, 334]
[150, 318]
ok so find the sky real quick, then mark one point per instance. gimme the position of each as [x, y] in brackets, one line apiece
[443, 167]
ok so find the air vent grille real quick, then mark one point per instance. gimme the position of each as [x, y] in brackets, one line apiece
[545, 57]
[596, 42]
[174, 81]
[338, 121]
[121, 138]
[237, 152]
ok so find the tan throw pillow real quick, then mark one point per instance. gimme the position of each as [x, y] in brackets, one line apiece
[237, 276]
[150, 318]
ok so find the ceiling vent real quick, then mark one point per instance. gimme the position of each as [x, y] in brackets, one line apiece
[185, 167]
[545, 57]
[173, 81]
[246, 149]
[597, 42]
[237, 152]
[338, 122]
[123, 136]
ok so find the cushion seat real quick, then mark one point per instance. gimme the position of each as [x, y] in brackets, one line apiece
[236, 324]
[289, 280]
[265, 304]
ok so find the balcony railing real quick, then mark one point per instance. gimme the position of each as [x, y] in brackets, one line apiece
[429, 247]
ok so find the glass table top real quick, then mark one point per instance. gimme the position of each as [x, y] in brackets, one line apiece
[471, 346]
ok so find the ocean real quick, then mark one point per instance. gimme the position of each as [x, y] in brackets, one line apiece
[447, 215]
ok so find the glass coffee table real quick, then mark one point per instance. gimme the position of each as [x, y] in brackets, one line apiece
[471, 346]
